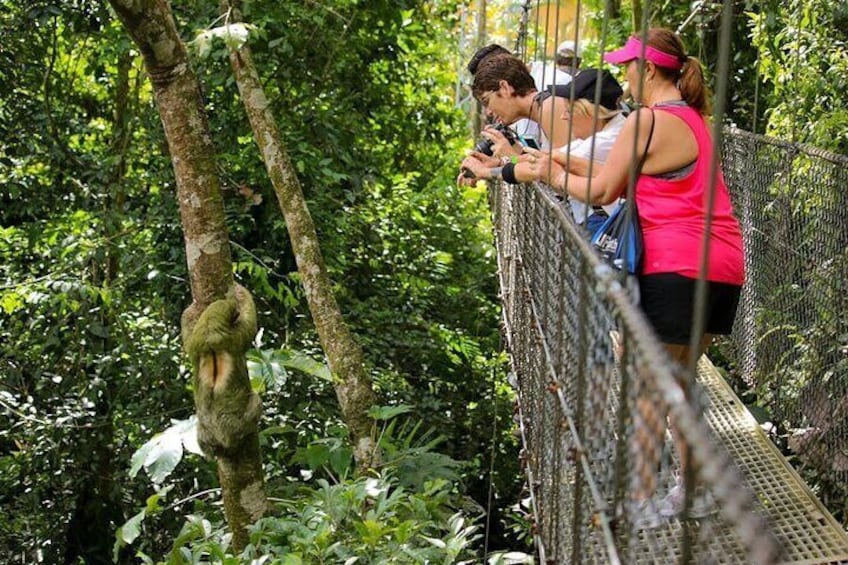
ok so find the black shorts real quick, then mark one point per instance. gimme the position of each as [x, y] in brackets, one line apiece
[668, 300]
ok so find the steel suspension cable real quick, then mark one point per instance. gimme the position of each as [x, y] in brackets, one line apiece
[722, 72]
[536, 32]
[796, 69]
[571, 116]
[757, 78]
[521, 40]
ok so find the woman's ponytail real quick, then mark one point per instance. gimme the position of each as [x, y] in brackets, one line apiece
[690, 78]
[693, 87]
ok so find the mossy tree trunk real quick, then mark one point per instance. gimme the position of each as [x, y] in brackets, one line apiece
[344, 354]
[227, 409]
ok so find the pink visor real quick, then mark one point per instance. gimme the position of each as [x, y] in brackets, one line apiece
[633, 50]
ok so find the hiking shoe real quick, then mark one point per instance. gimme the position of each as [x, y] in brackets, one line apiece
[672, 505]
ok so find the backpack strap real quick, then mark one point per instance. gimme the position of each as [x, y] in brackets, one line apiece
[647, 143]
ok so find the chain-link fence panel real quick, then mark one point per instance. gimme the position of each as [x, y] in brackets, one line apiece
[790, 341]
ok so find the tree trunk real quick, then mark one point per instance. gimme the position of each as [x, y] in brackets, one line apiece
[219, 325]
[612, 8]
[344, 355]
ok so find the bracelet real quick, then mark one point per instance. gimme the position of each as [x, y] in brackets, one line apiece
[514, 159]
[495, 172]
[508, 174]
[505, 160]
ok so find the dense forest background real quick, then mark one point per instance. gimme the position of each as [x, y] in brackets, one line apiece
[94, 275]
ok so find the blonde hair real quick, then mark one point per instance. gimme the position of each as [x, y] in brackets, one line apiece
[585, 107]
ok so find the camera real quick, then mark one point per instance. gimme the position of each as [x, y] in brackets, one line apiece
[484, 145]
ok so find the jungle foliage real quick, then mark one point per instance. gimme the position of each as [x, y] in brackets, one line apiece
[94, 274]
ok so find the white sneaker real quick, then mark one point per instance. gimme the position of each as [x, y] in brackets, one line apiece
[644, 515]
[672, 505]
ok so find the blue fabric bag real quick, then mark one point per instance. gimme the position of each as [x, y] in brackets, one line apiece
[619, 239]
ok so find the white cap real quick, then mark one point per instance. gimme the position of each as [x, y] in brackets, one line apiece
[568, 49]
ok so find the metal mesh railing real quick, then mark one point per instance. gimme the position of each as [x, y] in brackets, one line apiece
[596, 391]
[790, 343]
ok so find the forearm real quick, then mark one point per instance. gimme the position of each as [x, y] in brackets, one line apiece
[523, 172]
[577, 165]
[578, 187]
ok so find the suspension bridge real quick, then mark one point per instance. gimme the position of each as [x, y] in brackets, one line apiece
[584, 359]
[595, 388]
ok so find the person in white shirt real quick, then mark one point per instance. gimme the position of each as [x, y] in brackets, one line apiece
[587, 143]
[544, 75]
[596, 146]
[568, 57]
[504, 86]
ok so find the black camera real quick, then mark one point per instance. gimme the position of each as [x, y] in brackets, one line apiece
[484, 145]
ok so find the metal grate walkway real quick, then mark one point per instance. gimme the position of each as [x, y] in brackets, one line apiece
[807, 532]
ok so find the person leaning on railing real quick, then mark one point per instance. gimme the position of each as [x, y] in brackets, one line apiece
[591, 139]
[671, 194]
[543, 75]
[508, 92]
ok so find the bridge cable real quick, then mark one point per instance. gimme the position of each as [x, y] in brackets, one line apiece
[796, 70]
[492, 452]
[754, 112]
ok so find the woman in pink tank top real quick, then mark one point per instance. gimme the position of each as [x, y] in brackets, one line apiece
[671, 194]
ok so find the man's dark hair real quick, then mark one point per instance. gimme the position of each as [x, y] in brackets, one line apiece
[485, 51]
[502, 67]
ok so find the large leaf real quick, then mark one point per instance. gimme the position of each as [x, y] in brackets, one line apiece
[162, 453]
[234, 36]
[128, 533]
[267, 368]
[388, 412]
[308, 365]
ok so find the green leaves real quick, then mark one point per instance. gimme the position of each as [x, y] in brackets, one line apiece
[369, 520]
[388, 412]
[803, 58]
[268, 369]
[163, 452]
[332, 453]
[131, 529]
[127, 534]
[93, 267]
